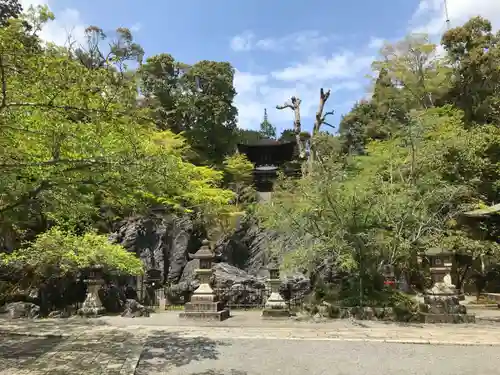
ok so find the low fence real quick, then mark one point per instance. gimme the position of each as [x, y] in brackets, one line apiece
[241, 297]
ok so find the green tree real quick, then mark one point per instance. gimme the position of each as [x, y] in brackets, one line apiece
[121, 50]
[73, 137]
[239, 177]
[267, 130]
[385, 206]
[474, 52]
[410, 77]
[9, 9]
[287, 135]
[196, 100]
[57, 253]
[247, 136]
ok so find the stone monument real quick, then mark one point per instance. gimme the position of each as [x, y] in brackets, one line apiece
[275, 306]
[204, 304]
[92, 306]
[442, 302]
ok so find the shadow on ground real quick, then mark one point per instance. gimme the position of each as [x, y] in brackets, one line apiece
[219, 372]
[90, 353]
[166, 350]
[20, 353]
[66, 326]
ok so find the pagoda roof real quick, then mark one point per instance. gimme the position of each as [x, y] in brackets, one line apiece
[268, 151]
[264, 142]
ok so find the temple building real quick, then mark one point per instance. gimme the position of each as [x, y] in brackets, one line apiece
[269, 157]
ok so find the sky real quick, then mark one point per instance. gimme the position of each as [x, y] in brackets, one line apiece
[278, 48]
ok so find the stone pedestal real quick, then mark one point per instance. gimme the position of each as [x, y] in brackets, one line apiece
[93, 305]
[204, 304]
[275, 306]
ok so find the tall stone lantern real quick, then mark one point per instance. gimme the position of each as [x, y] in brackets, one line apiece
[204, 304]
[92, 306]
[275, 306]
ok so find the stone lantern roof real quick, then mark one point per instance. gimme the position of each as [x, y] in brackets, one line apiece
[204, 252]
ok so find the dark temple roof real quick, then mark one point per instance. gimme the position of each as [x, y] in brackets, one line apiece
[268, 152]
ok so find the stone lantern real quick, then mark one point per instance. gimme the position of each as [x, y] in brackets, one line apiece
[275, 306]
[442, 300]
[441, 263]
[204, 304]
[94, 281]
[153, 283]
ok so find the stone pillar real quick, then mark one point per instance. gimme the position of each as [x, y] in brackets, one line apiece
[275, 306]
[93, 305]
[204, 304]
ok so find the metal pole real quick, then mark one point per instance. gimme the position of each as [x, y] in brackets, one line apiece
[446, 13]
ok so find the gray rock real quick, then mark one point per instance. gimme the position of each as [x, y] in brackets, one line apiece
[162, 241]
[236, 286]
[135, 309]
[296, 286]
[16, 310]
[247, 248]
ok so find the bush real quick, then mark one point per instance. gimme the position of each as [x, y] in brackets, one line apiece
[57, 254]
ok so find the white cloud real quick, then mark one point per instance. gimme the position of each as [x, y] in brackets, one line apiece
[242, 42]
[345, 65]
[376, 43]
[136, 27]
[68, 22]
[256, 92]
[299, 41]
[343, 73]
[430, 16]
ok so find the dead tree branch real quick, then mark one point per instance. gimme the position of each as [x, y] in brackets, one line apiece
[294, 104]
[320, 117]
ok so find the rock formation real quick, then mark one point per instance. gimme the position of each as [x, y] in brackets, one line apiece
[162, 241]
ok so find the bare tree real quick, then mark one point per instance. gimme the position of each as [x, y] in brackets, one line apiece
[320, 119]
[294, 105]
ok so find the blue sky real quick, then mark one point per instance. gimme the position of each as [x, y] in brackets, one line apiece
[278, 48]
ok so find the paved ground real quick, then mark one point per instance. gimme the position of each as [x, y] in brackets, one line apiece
[168, 353]
[243, 345]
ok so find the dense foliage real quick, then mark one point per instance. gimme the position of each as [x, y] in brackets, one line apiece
[406, 164]
[57, 253]
[78, 151]
[86, 141]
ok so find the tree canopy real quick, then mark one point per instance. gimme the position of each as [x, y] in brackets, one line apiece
[407, 163]
[76, 146]
[93, 134]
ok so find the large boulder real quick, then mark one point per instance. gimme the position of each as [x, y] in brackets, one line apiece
[161, 240]
[235, 286]
[247, 248]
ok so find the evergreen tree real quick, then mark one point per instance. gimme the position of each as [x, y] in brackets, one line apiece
[267, 130]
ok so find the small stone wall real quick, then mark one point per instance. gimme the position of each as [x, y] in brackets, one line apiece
[363, 313]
